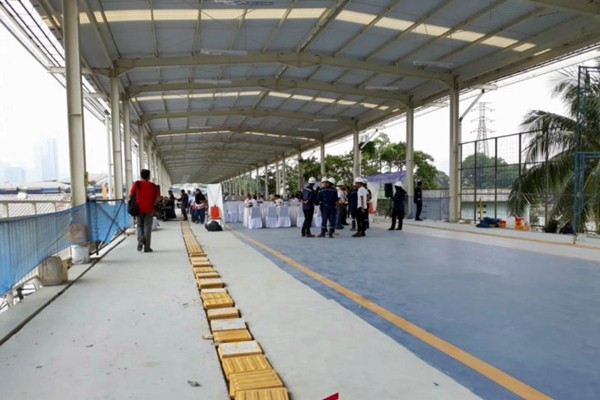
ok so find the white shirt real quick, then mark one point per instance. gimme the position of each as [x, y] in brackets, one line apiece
[362, 197]
[341, 196]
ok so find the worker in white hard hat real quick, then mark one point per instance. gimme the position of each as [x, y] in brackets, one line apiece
[398, 206]
[309, 200]
[353, 202]
[342, 202]
[362, 209]
[327, 201]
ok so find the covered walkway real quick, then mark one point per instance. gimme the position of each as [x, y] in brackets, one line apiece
[436, 311]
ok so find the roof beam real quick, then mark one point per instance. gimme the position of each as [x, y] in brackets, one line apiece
[258, 113]
[272, 84]
[582, 7]
[224, 130]
[293, 60]
[188, 145]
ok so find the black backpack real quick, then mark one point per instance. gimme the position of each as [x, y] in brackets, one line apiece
[132, 205]
[213, 226]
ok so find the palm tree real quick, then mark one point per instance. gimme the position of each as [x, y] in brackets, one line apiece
[553, 143]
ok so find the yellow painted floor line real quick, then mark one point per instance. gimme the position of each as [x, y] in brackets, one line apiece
[489, 371]
[541, 241]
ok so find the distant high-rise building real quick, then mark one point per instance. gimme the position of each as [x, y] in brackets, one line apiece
[15, 175]
[3, 167]
[46, 160]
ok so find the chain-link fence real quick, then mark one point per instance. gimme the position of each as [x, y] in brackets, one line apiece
[486, 178]
[586, 166]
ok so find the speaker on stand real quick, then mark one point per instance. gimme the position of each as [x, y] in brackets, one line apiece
[389, 190]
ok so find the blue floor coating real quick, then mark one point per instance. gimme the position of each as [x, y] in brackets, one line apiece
[534, 316]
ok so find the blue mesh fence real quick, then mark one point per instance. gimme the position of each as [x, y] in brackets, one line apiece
[106, 219]
[27, 241]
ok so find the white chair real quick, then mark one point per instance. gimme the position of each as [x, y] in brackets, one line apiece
[317, 218]
[255, 219]
[241, 207]
[233, 214]
[283, 221]
[300, 218]
[271, 220]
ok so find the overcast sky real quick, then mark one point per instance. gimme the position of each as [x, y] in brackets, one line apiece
[33, 106]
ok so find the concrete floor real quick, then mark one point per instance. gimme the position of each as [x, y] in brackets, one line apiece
[132, 326]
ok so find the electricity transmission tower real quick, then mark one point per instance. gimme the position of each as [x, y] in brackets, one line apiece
[482, 129]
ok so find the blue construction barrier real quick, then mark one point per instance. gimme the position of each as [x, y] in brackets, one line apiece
[27, 241]
[106, 219]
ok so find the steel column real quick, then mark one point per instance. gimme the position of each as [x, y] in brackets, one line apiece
[410, 155]
[356, 152]
[116, 137]
[454, 212]
[322, 158]
[74, 102]
[127, 147]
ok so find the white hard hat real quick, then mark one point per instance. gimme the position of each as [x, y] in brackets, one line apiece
[324, 179]
[331, 180]
[358, 179]
[311, 180]
[398, 184]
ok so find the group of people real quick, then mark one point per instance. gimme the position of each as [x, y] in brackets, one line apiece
[194, 206]
[332, 202]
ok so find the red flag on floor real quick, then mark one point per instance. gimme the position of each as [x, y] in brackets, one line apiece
[333, 397]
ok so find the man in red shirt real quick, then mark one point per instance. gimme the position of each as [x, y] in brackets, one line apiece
[146, 194]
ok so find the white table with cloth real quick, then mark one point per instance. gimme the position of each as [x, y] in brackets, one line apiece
[264, 211]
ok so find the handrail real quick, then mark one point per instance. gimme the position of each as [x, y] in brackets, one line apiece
[25, 242]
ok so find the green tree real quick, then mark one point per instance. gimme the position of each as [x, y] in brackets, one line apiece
[442, 180]
[486, 172]
[381, 155]
[552, 148]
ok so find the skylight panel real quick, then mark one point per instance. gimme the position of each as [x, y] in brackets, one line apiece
[302, 97]
[430, 30]
[124, 15]
[524, 47]
[223, 14]
[306, 13]
[269, 13]
[355, 17]
[369, 105]
[499, 41]
[176, 15]
[280, 94]
[324, 100]
[393, 23]
[467, 36]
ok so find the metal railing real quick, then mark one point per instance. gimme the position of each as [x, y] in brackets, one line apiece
[25, 242]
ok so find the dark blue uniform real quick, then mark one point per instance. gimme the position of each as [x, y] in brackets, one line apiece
[328, 200]
[309, 199]
[353, 205]
[398, 208]
[418, 201]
